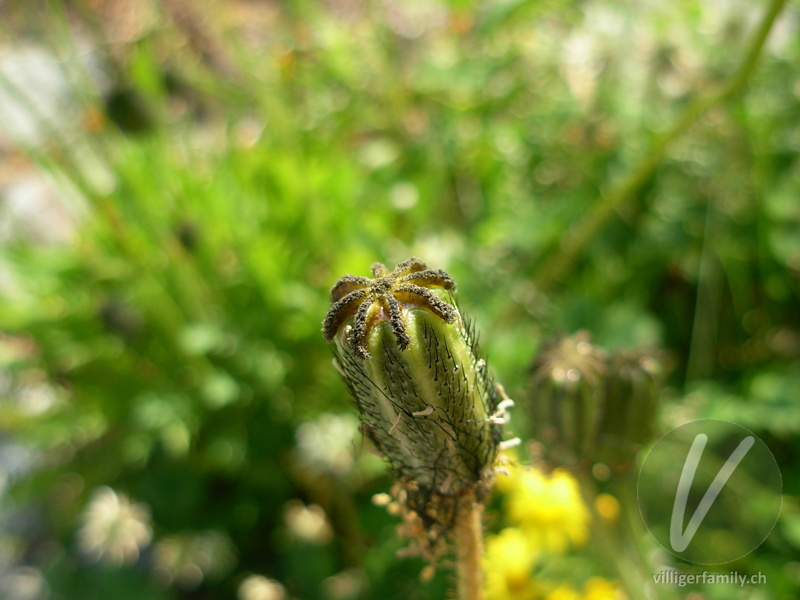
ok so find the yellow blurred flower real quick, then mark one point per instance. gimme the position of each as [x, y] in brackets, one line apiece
[563, 592]
[549, 508]
[607, 506]
[508, 563]
[598, 588]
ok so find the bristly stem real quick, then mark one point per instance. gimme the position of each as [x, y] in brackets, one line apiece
[469, 548]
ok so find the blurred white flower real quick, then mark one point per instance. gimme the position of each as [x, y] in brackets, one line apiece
[327, 443]
[441, 247]
[345, 585]
[187, 558]
[378, 153]
[581, 65]
[404, 195]
[307, 523]
[23, 583]
[414, 17]
[258, 587]
[113, 528]
[36, 398]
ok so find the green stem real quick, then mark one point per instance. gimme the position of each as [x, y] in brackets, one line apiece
[575, 241]
[612, 544]
[469, 549]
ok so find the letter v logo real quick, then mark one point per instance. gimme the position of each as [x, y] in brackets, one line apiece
[709, 491]
[678, 539]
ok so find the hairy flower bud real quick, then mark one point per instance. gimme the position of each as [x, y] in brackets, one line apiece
[631, 400]
[424, 396]
[566, 398]
[588, 407]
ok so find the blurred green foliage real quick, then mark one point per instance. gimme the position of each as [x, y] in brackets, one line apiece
[230, 162]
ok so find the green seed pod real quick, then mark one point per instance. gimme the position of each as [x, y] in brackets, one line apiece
[424, 396]
[566, 399]
[631, 399]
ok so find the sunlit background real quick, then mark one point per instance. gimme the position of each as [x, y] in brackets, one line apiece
[181, 182]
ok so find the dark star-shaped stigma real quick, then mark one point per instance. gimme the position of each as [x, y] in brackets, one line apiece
[370, 301]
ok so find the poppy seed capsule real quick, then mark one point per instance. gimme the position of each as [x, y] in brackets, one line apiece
[424, 396]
